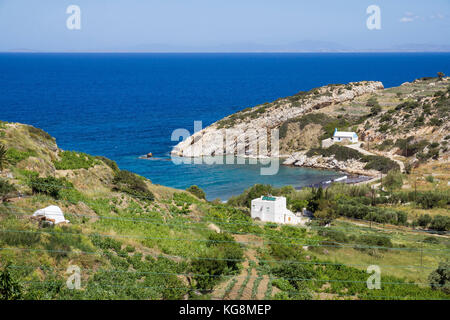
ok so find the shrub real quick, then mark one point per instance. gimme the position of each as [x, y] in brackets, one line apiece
[50, 185]
[440, 223]
[424, 220]
[431, 240]
[130, 183]
[374, 241]
[431, 199]
[196, 191]
[208, 270]
[15, 156]
[10, 288]
[380, 163]
[339, 152]
[110, 163]
[393, 180]
[39, 133]
[71, 160]
[440, 278]
[229, 249]
[6, 189]
[3, 157]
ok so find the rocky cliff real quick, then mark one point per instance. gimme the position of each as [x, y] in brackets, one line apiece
[223, 136]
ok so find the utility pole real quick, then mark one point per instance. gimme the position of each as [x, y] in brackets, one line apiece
[381, 184]
[415, 189]
[421, 255]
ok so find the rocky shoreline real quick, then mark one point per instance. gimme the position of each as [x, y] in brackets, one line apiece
[350, 166]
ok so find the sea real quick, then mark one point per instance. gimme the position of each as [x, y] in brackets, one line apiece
[124, 105]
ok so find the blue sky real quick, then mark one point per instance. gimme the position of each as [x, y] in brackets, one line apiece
[209, 25]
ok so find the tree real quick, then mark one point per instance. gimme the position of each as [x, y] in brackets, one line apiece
[424, 220]
[298, 205]
[440, 278]
[10, 289]
[325, 212]
[6, 189]
[393, 180]
[440, 75]
[3, 157]
[316, 196]
[196, 191]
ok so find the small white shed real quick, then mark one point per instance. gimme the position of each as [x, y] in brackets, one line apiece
[52, 214]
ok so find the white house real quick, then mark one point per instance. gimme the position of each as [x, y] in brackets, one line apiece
[340, 136]
[273, 209]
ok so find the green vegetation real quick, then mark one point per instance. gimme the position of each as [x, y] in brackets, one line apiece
[440, 278]
[130, 248]
[132, 184]
[3, 157]
[110, 163]
[342, 153]
[50, 186]
[10, 289]
[6, 189]
[71, 160]
[15, 156]
[196, 191]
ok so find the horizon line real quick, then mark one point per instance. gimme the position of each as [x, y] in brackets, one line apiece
[229, 52]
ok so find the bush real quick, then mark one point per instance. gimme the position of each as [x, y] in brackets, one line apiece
[431, 199]
[6, 189]
[380, 163]
[339, 152]
[424, 220]
[196, 191]
[15, 156]
[10, 288]
[440, 223]
[110, 163]
[440, 278]
[374, 241]
[39, 133]
[50, 185]
[208, 270]
[71, 160]
[393, 180]
[130, 183]
[229, 249]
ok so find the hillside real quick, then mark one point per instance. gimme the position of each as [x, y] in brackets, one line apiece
[399, 127]
[133, 239]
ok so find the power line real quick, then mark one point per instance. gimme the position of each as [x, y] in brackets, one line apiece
[147, 220]
[254, 276]
[222, 290]
[217, 241]
[336, 244]
[144, 197]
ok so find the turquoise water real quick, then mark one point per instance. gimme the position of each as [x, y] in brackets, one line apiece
[125, 105]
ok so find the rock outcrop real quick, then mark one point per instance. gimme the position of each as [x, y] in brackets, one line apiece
[239, 133]
[352, 166]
